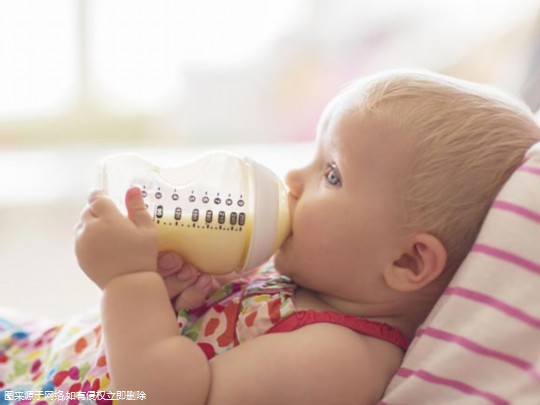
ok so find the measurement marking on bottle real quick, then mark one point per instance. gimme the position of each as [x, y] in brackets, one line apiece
[221, 217]
[234, 222]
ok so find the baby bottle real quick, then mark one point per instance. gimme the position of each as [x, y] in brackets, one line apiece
[220, 212]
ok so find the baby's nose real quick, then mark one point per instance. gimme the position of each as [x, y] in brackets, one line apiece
[294, 182]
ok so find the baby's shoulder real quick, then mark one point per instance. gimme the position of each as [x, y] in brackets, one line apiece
[354, 363]
[353, 348]
[316, 364]
[366, 364]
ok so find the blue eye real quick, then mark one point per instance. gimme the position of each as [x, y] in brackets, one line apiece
[332, 175]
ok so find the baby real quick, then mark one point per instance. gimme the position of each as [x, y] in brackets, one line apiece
[406, 167]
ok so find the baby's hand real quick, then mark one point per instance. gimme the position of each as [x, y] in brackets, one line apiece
[187, 287]
[108, 244]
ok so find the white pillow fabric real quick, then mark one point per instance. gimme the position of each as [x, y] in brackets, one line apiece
[481, 342]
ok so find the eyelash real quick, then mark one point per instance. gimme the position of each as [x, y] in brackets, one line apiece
[332, 168]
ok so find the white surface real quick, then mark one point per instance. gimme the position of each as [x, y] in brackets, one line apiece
[41, 195]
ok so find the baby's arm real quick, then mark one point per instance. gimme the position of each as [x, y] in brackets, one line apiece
[144, 351]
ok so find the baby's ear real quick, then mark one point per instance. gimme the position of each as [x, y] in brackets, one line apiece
[422, 260]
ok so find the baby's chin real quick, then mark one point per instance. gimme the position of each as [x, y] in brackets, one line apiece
[284, 261]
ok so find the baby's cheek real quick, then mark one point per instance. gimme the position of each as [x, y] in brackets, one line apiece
[314, 230]
[307, 222]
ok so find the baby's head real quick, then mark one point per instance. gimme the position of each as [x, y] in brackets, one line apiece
[465, 141]
[411, 162]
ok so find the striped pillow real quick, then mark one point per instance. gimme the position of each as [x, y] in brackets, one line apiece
[481, 342]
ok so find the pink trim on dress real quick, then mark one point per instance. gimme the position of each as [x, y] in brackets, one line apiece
[379, 330]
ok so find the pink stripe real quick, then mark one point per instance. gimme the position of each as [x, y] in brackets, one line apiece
[529, 169]
[516, 209]
[495, 304]
[457, 385]
[507, 257]
[482, 350]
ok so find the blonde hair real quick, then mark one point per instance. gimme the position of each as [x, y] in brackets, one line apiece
[467, 141]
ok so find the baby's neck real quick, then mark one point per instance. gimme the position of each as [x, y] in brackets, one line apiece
[388, 313]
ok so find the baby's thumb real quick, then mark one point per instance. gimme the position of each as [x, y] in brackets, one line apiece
[136, 209]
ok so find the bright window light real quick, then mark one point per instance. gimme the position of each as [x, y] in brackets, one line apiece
[37, 57]
[139, 49]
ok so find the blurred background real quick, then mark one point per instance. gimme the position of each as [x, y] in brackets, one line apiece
[80, 79]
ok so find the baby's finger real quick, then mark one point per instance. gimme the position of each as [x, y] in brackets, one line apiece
[87, 213]
[136, 209]
[101, 206]
[95, 194]
[169, 263]
[195, 295]
[178, 282]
